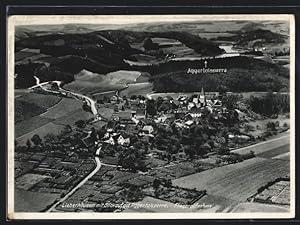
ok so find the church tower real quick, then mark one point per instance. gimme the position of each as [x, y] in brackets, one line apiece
[202, 98]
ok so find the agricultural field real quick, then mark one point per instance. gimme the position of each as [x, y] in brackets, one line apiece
[265, 146]
[180, 51]
[137, 89]
[123, 76]
[42, 100]
[72, 117]
[284, 156]
[20, 92]
[106, 112]
[215, 204]
[29, 125]
[258, 207]
[32, 104]
[93, 85]
[238, 181]
[165, 41]
[28, 201]
[28, 180]
[143, 58]
[98, 125]
[65, 106]
[275, 152]
[21, 55]
[41, 130]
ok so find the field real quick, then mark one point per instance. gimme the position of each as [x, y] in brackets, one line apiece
[180, 51]
[142, 58]
[28, 180]
[137, 89]
[27, 201]
[265, 146]
[74, 116]
[41, 130]
[22, 55]
[237, 181]
[106, 112]
[123, 76]
[20, 92]
[44, 101]
[92, 87]
[275, 152]
[217, 203]
[29, 105]
[90, 83]
[64, 107]
[284, 156]
[165, 41]
[29, 125]
[259, 207]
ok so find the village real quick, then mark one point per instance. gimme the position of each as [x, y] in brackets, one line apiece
[147, 142]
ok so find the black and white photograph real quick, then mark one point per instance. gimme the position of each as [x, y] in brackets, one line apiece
[151, 116]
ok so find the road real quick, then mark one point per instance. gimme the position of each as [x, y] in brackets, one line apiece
[91, 174]
[62, 91]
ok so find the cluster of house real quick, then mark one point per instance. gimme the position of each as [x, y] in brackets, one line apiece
[131, 116]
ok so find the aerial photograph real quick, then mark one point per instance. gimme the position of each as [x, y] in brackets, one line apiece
[152, 117]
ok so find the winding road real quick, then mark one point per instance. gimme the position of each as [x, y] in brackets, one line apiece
[91, 103]
[91, 174]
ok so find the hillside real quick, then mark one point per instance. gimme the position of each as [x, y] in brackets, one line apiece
[243, 74]
[60, 56]
[258, 35]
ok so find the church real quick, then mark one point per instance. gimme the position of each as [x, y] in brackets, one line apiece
[199, 101]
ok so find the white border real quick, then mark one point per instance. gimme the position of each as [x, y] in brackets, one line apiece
[131, 19]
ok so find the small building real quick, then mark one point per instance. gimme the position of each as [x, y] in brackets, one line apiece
[140, 114]
[131, 129]
[195, 112]
[191, 105]
[148, 129]
[160, 119]
[189, 122]
[110, 141]
[143, 122]
[114, 99]
[125, 117]
[123, 140]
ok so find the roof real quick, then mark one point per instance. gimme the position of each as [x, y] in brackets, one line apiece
[148, 127]
[195, 110]
[146, 121]
[124, 115]
[141, 112]
[131, 129]
[189, 122]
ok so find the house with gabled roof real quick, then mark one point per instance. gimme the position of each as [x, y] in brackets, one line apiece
[123, 139]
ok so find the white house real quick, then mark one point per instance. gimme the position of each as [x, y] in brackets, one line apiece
[123, 141]
[148, 129]
[110, 141]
